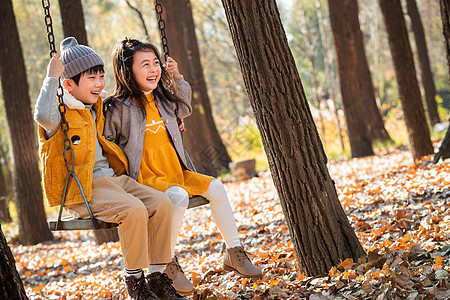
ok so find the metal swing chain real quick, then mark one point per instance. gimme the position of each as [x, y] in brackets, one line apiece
[162, 29]
[165, 46]
[64, 124]
[60, 92]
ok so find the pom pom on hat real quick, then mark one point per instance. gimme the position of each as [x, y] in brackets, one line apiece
[77, 58]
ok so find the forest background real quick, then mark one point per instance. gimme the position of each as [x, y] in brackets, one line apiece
[231, 107]
[232, 113]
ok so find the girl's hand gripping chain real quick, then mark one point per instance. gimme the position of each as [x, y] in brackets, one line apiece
[172, 67]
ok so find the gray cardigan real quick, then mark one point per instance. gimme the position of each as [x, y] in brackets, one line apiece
[125, 125]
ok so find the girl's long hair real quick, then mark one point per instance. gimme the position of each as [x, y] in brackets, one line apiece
[125, 83]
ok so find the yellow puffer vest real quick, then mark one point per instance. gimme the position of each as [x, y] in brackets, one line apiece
[82, 134]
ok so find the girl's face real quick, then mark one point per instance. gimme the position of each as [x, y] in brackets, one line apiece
[146, 70]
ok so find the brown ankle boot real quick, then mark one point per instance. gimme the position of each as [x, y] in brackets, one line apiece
[138, 288]
[180, 282]
[236, 260]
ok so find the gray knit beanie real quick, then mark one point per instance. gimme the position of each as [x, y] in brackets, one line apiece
[77, 58]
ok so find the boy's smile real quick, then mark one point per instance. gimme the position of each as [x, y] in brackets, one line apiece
[89, 87]
[146, 70]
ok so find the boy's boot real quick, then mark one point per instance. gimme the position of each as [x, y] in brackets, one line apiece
[161, 285]
[180, 282]
[138, 288]
[236, 260]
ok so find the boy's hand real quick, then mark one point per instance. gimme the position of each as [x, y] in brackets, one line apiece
[55, 67]
[172, 66]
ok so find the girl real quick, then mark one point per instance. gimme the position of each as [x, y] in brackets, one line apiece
[142, 118]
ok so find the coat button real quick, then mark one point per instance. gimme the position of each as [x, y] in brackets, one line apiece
[174, 139]
[159, 105]
[167, 121]
[182, 158]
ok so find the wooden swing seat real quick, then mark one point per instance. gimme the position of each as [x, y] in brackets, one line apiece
[69, 223]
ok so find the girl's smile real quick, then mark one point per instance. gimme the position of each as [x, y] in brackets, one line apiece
[146, 70]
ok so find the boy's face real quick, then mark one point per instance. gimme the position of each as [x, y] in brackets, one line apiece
[89, 87]
[146, 70]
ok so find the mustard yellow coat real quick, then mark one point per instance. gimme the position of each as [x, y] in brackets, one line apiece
[82, 131]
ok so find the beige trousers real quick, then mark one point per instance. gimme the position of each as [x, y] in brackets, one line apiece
[144, 216]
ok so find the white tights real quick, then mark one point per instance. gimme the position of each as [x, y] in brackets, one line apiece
[221, 211]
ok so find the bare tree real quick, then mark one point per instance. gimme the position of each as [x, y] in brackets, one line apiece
[140, 16]
[310, 54]
[416, 124]
[33, 227]
[327, 61]
[320, 231]
[424, 62]
[375, 125]
[344, 44]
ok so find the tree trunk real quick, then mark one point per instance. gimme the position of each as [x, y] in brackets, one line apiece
[11, 286]
[73, 25]
[408, 87]
[33, 227]
[424, 61]
[375, 125]
[445, 17]
[320, 231]
[326, 61]
[73, 20]
[360, 143]
[4, 207]
[202, 139]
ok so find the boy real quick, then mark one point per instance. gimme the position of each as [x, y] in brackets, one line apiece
[144, 215]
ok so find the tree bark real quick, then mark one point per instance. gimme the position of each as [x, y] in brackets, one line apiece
[424, 61]
[326, 61]
[445, 17]
[33, 227]
[11, 286]
[320, 231]
[375, 125]
[416, 124]
[73, 20]
[202, 140]
[360, 143]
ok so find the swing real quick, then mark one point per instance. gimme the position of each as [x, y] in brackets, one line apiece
[69, 223]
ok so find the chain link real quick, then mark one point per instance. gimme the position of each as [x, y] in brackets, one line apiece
[162, 29]
[165, 46]
[60, 92]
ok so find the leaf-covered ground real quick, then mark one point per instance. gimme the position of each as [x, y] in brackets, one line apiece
[401, 215]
